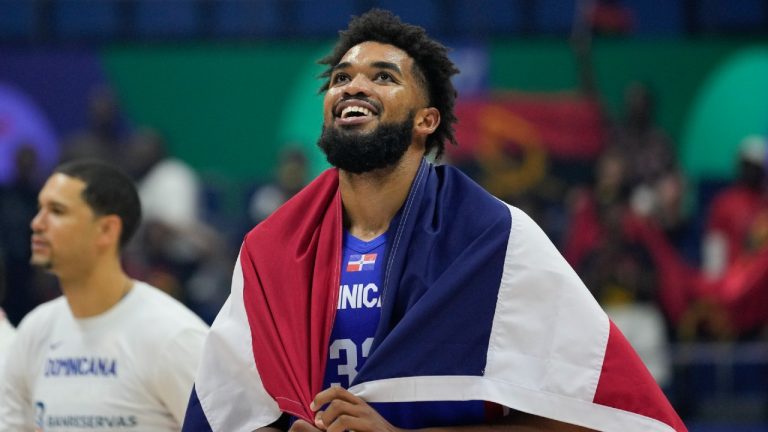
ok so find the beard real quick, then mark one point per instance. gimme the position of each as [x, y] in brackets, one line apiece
[358, 153]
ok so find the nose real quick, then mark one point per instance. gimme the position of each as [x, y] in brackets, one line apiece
[37, 222]
[360, 85]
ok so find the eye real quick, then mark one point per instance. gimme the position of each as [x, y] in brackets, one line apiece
[384, 76]
[339, 78]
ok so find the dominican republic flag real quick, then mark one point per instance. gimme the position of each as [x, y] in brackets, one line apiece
[362, 262]
[477, 304]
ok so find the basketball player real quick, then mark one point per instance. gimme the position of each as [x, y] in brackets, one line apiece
[112, 353]
[393, 294]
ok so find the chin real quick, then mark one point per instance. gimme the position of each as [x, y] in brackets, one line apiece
[41, 262]
[363, 129]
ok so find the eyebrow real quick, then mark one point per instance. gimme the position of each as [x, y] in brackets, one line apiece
[387, 65]
[377, 64]
[51, 203]
[342, 65]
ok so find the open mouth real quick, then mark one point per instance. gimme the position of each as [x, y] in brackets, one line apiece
[354, 111]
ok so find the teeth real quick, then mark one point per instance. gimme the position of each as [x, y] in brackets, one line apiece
[350, 109]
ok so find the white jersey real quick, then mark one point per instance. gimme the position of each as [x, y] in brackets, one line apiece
[7, 334]
[130, 368]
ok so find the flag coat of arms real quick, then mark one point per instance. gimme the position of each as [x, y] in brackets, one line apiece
[477, 304]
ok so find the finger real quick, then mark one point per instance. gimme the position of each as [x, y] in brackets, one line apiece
[335, 409]
[347, 422]
[302, 426]
[330, 394]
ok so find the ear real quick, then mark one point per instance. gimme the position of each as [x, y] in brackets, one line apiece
[426, 121]
[110, 227]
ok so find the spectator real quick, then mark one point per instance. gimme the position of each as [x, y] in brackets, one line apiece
[617, 267]
[291, 177]
[170, 243]
[732, 296]
[589, 207]
[103, 137]
[646, 148]
[734, 211]
[174, 246]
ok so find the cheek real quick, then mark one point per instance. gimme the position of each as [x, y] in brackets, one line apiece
[67, 235]
[401, 102]
[60, 240]
[328, 100]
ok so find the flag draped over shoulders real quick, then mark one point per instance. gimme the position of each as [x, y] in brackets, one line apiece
[477, 304]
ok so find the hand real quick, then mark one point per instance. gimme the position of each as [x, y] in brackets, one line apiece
[302, 426]
[347, 412]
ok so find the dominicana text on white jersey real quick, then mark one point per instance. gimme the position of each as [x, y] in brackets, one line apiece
[129, 368]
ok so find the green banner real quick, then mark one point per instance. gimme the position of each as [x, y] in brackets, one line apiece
[732, 104]
[228, 108]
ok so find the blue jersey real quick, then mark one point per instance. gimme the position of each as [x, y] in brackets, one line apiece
[357, 315]
[358, 310]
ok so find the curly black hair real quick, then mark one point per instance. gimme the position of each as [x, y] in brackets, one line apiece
[431, 64]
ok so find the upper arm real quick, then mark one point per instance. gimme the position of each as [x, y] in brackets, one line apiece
[15, 398]
[175, 371]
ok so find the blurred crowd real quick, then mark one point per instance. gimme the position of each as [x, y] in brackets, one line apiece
[671, 262]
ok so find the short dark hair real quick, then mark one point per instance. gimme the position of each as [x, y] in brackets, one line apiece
[107, 191]
[431, 63]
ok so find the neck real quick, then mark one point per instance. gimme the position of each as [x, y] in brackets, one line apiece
[97, 291]
[372, 199]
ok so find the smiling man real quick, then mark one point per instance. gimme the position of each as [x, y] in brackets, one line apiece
[393, 294]
[112, 353]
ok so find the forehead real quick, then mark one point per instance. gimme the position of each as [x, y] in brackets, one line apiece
[369, 52]
[63, 189]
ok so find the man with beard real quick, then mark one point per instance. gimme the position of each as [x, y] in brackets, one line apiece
[392, 294]
[112, 353]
